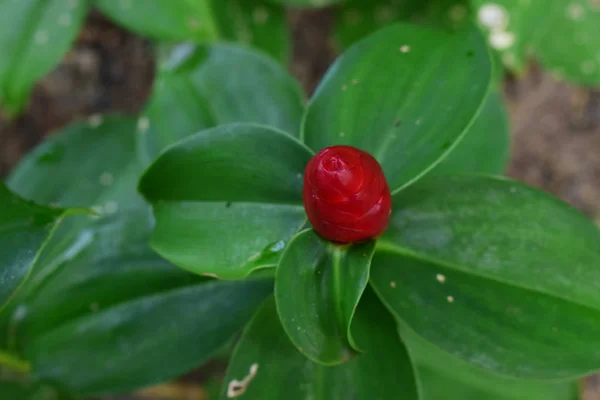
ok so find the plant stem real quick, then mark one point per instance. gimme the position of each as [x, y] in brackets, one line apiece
[13, 363]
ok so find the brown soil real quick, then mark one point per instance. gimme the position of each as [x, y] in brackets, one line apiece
[556, 126]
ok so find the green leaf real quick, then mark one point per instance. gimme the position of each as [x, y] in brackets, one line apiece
[561, 35]
[317, 287]
[222, 196]
[34, 36]
[281, 371]
[405, 94]
[159, 19]
[105, 272]
[257, 23]
[25, 228]
[146, 340]
[131, 305]
[566, 40]
[442, 376]
[202, 86]
[88, 164]
[91, 164]
[485, 147]
[496, 273]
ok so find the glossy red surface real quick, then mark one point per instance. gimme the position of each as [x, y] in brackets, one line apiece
[346, 196]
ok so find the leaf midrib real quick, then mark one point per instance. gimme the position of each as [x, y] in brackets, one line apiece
[386, 246]
[424, 75]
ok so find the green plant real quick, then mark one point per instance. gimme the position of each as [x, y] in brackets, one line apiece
[481, 287]
[559, 34]
[450, 237]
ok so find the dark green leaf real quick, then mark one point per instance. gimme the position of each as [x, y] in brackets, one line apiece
[166, 20]
[281, 372]
[25, 227]
[201, 87]
[317, 288]
[34, 36]
[444, 377]
[88, 164]
[116, 265]
[146, 340]
[496, 273]
[405, 94]
[485, 147]
[223, 196]
[132, 306]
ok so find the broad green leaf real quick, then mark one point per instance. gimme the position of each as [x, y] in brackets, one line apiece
[222, 196]
[115, 267]
[90, 164]
[87, 164]
[202, 86]
[25, 228]
[496, 273]
[495, 326]
[34, 36]
[147, 340]
[444, 377]
[562, 35]
[406, 95]
[164, 20]
[258, 23]
[355, 19]
[317, 287]
[485, 147]
[281, 372]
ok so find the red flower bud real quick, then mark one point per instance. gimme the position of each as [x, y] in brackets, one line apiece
[346, 196]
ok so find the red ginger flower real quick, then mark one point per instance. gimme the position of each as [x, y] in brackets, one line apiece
[346, 196]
